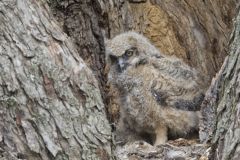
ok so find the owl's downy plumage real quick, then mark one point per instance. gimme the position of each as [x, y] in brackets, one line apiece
[159, 95]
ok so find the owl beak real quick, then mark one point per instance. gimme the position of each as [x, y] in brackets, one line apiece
[122, 65]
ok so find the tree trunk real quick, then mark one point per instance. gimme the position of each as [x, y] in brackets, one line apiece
[50, 102]
[221, 121]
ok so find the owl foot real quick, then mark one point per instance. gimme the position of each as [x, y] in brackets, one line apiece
[161, 135]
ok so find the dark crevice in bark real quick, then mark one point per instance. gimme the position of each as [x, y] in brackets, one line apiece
[95, 21]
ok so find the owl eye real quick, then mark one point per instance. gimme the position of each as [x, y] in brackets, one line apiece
[130, 52]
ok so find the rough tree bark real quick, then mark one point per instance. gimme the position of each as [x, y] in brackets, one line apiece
[50, 103]
[221, 121]
[85, 22]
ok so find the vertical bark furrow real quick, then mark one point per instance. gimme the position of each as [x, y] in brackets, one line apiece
[85, 22]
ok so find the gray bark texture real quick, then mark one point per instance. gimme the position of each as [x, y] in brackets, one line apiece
[221, 108]
[50, 103]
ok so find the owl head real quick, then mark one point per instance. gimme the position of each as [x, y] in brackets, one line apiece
[128, 49]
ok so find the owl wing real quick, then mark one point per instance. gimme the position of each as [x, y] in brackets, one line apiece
[177, 85]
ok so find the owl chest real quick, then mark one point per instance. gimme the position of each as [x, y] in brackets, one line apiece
[138, 98]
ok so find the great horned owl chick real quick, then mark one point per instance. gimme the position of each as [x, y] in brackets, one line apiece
[159, 95]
